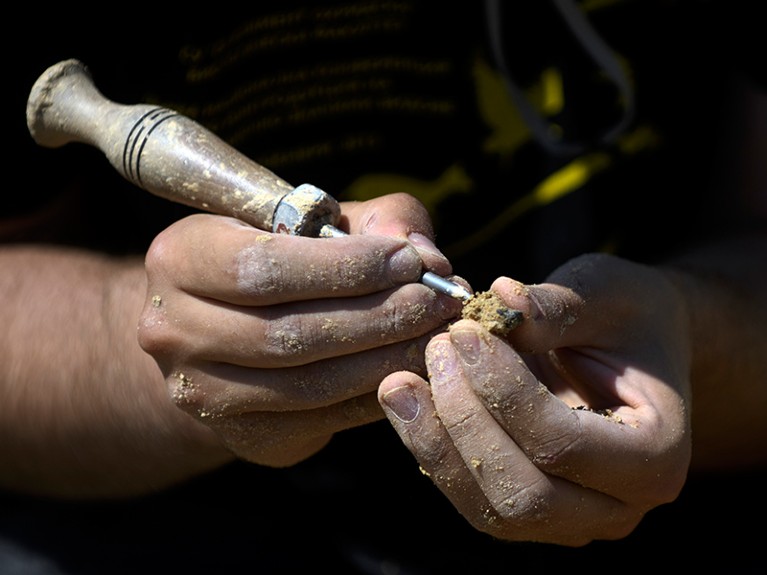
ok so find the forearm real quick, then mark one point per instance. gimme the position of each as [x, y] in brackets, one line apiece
[724, 286]
[86, 411]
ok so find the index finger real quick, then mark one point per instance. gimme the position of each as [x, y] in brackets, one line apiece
[226, 260]
[401, 216]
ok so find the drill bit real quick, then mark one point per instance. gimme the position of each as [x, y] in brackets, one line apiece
[430, 279]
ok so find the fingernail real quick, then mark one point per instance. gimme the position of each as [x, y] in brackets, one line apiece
[467, 344]
[421, 242]
[448, 308]
[442, 363]
[403, 403]
[405, 265]
[537, 311]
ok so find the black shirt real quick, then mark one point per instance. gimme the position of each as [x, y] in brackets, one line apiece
[362, 99]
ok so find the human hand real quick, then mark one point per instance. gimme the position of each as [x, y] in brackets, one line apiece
[275, 341]
[572, 429]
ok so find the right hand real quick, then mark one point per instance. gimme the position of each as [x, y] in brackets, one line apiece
[276, 342]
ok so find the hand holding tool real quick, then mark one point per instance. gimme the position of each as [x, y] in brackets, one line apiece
[174, 157]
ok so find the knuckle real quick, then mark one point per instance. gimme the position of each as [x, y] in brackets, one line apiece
[186, 393]
[412, 310]
[285, 339]
[552, 453]
[555, 446]
[523, 510]
[156, 335]
[155, 254]
[529, 505]
[260, 272]
[461, 426]
[152, 334]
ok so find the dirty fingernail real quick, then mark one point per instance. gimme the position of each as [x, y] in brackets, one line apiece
[421, 242]
[442, 363]
[405, 265]
[467, 344]
[403, 403]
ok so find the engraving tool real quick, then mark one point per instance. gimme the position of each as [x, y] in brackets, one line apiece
[174, 157]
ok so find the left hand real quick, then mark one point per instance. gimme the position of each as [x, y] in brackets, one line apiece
[572, 428]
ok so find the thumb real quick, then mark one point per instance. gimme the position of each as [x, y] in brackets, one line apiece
[578, 304]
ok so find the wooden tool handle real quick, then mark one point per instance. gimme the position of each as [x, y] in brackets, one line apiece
[171, 155]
